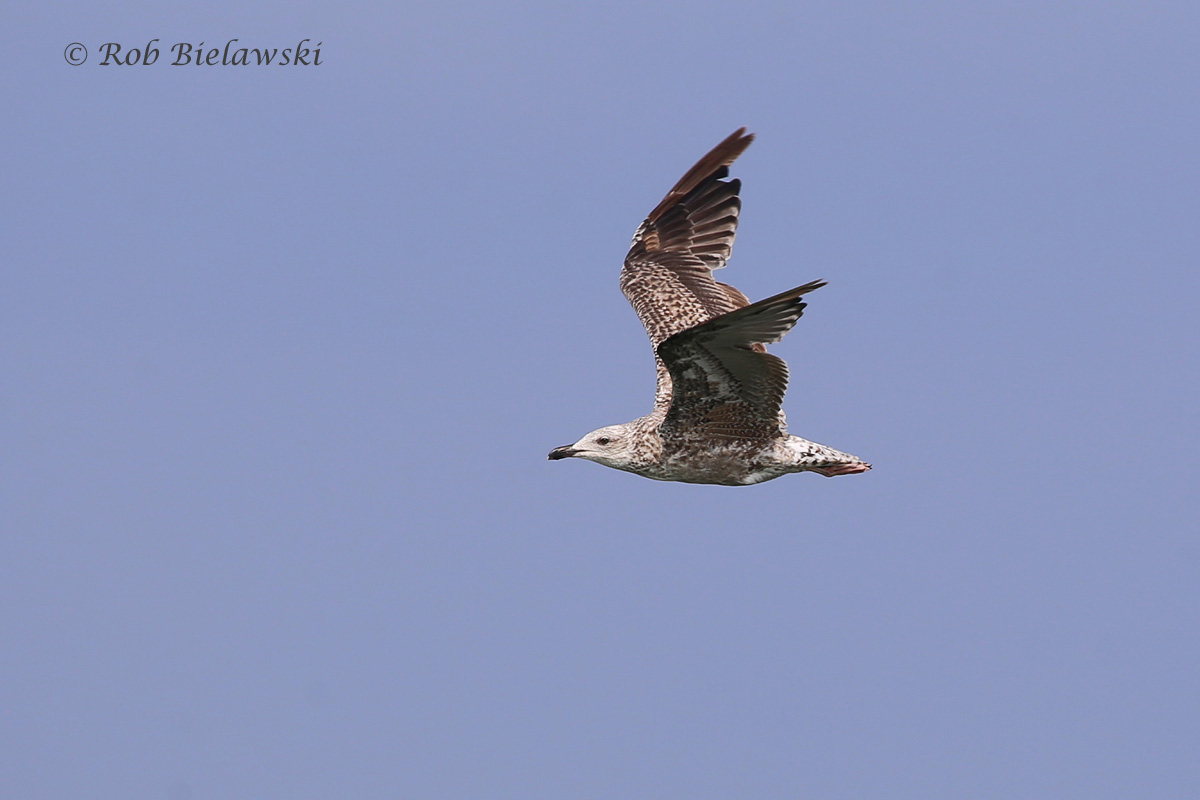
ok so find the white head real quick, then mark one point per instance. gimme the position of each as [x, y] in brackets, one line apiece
[612, 446]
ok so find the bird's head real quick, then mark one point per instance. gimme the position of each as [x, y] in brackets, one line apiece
[611, 446]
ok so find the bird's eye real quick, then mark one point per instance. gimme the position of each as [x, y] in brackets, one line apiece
[603, 440]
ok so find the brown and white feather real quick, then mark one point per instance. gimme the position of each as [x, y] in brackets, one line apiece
[725, 384]
[668, 272]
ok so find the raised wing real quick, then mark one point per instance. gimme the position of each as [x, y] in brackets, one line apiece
[668, 273]
[725, 382]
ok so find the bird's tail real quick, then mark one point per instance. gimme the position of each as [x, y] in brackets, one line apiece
[813, 457]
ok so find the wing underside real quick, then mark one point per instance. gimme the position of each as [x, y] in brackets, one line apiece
[724, 382]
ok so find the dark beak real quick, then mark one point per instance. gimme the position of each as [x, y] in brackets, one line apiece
[566, 451]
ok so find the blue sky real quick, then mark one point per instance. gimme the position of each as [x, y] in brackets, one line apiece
[284, 350]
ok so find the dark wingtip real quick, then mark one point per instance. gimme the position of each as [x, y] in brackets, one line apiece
[740, 136]
[714, 164]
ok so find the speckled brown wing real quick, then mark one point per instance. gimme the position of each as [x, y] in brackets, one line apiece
[725, 383]
[668, 273]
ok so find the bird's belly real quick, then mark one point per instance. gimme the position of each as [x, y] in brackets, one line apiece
[729, 464]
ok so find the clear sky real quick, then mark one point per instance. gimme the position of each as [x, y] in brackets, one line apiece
[283, 350]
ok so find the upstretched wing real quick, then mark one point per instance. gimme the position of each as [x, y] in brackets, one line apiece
[668, 273]
[725, 382]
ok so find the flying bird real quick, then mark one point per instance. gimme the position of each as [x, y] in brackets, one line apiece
[717, 414]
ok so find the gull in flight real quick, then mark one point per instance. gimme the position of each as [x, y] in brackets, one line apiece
[717, 414]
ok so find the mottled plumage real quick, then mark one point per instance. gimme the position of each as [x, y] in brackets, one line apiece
[717, 414]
